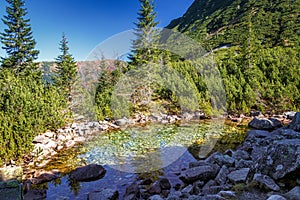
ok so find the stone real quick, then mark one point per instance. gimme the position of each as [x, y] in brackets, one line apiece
[40, 139]
[155, 188]
[44, 177]
[293, 194]
[221, 159]
[203, 173]
[266, 182]
[227, 194]
[243, 164]
[105, 194]
[188, 189]
[36, 195]
[280, 158]
[165, 184]
[265, 124]
[49, 134]
[289, 115]
[70, 143]
[240, 155]
[295, 124]
[213, 197]
[239, 176]
[11, 173]
[132, 192]
[156, 197]
[121, 122]
[222, 175]
[276, 197]
[51, 145]
[11, 190]
[88, 173]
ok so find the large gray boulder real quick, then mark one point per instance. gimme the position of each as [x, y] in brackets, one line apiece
[203, 173]
[239, 176]
[295, 124]
[280, 158]
[265, 124]
[266, 182]
[294, 194]
[88, 173]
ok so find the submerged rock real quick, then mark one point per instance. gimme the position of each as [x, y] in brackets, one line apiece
[88, 173]
[10, 190]
[105, 194]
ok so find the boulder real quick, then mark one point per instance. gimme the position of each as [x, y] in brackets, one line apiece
[222, 175]
[203, 173]
[294, 194]
[266, 182]
[132, 192]
[105, 194]
[11, 190]
[289, 115]
[88, 173]
[155, 197]
[11, 173]
[239, 176]
[295, 124]
[121, 122]
[265, 124]
[280, 158]
[276, 197]
[155, 188]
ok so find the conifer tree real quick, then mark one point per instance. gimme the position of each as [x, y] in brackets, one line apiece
[66, 68]
[146, 42]
[17, 38]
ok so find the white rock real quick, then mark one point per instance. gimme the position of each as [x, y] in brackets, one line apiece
[70, 143]
[49, 134]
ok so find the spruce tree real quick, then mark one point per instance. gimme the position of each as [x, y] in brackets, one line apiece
[17, 38]
[146, 43]
[66, 68]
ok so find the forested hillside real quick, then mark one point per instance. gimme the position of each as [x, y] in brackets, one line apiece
[260, 64]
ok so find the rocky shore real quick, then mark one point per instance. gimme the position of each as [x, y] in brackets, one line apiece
[265, 166]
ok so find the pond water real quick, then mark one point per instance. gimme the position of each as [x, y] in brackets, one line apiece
[135, 153]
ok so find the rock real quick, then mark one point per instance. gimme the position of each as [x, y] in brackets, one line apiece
[121, 122]
[227, 194]
[221, 159]
[188, 189]
[11, 190]
[49, 134]
[213, 197]
[155, 197]
[203, 173]
[240, 154]
[88, 173]
[155, 188]
[295, 124]
[70, 143]
[132, 192]
[164, 184]
[280, 158]
[265, 124]
[222, 175]
[243, 164]
[11, 173]
[289, 115]
[36, 195]
[239, 176]
[51, 145]
[276, 197]
[79, 139]
[44, 177]
[105, 194]
[266, 182]
[294, 194]
[187, 116]
[255, 114]
[40, 139]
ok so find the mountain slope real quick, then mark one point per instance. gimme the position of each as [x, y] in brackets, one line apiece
[217, 22]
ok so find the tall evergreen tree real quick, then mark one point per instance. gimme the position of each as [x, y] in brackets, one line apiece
[17, 39]
[146, 43]
[66, 68]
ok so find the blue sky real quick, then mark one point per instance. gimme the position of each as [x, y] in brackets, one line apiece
[87, 23]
